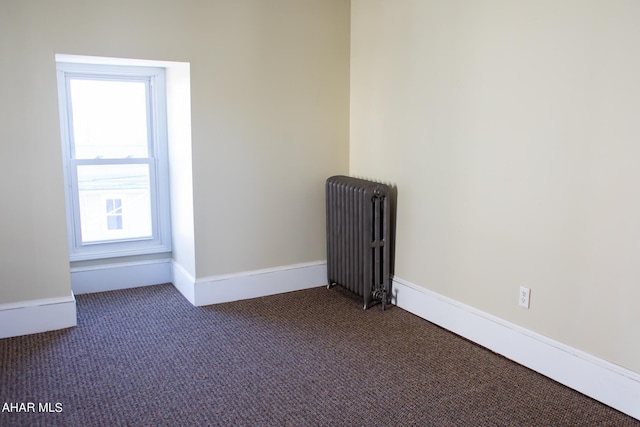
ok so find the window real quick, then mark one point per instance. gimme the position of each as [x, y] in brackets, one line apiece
[113, 124]
[114, 214]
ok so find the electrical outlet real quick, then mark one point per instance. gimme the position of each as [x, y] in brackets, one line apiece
[523, 297]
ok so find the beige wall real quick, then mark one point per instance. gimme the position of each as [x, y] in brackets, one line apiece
[511, 130]
[269, 116]
[33, 245]
[280, 132]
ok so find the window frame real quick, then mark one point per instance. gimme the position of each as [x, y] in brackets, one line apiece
[157, 161]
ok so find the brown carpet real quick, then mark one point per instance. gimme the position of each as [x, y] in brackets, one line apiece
[146, 357]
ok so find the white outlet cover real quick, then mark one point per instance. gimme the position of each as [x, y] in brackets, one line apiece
[523, 297]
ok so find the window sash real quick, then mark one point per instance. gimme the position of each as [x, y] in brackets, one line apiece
[76, 197]
[149, 108]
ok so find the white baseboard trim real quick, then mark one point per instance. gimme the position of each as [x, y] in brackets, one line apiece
[32, 317]
[601, 380]
[257, 283]
[184, 282]
[111, 277]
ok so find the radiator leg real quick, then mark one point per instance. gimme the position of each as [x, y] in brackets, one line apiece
[382, 294]
[331, 285]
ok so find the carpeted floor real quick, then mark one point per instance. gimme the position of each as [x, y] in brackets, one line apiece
[146, 357]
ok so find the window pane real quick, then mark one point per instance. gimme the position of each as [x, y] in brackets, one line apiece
[114, 222]
[125, 191]
[114, 214]
[109, 119]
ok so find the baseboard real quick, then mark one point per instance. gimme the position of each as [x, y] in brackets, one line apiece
[601, 380]
[111, 277]
[32, 317]
[184, 282]
[258, 283]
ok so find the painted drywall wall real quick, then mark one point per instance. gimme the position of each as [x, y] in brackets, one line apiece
[280, 132]
[269, 117]
[511, 130]
[33, 247]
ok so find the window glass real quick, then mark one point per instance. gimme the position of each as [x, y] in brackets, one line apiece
[104, 182]
[114, 214]
[109, 118]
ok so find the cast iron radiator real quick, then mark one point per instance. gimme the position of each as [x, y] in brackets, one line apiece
[358, 230]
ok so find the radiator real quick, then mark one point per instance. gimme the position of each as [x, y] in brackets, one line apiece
[358, 237]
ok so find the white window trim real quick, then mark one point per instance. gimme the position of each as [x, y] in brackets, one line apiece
[158, 164]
